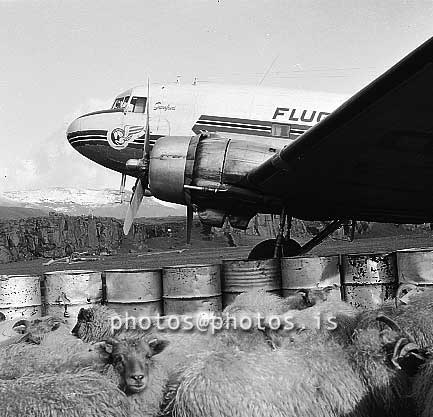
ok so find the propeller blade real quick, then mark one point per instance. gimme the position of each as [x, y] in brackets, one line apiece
[146, 147]
[134, 205]
[189, 219]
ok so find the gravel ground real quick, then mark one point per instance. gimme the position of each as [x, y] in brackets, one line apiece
[193, 255]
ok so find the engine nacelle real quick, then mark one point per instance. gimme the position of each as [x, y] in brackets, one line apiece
[203, 162]
[167, 168]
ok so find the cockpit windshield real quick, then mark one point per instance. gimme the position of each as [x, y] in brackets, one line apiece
[120, 102]
[136, 105]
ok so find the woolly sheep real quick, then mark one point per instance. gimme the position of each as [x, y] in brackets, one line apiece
[415, 318]
[55, 353]
[66, 394]
[314, 378]
[355, 379]
[35, 330]
[31, 331]
[94, 324]
[141, 378]
[422, 390]
[389, 388]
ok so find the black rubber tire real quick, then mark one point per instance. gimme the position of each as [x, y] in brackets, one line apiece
[265, 249]
[291, 248]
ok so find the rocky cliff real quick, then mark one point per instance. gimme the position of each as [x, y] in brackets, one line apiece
[60, 235]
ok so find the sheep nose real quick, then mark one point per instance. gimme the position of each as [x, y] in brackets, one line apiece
[138, 377]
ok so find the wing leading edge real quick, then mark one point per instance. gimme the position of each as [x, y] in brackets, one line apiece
[371, 159]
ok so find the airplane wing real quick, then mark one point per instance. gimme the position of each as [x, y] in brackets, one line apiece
[371, 159]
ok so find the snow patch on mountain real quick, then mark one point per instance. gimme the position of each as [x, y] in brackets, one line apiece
[76, 201]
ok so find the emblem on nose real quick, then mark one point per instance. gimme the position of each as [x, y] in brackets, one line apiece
[119, 138]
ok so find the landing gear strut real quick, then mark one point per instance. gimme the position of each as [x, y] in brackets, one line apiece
[283, 246]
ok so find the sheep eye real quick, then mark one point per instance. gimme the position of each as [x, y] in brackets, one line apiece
[118, 359]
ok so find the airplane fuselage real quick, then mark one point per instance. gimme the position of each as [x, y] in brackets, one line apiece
[264, 115]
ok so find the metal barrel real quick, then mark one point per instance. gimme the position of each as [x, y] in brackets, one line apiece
[240, 275]
[20, 296]
[66, 292]
[311, 273]
[369, 279]
[189, 289]
[415, 266]
[135, 292]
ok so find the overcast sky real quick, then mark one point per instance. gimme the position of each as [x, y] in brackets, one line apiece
[62, 58]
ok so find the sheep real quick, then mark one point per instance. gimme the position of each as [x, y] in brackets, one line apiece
[422, 390]
[265, 303]
[335, 318]
[415, 318]
[388, 383]
[140, 376]
[356, 379]
[302, 380]
[35, 330]
[55, 353]
[66, 394]
[126, 361]
[94, 324]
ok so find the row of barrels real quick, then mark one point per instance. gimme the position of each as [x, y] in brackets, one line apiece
[364, 280]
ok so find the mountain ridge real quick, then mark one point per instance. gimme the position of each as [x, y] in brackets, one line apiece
[77, 202]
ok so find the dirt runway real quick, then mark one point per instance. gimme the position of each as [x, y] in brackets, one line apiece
[197, 255]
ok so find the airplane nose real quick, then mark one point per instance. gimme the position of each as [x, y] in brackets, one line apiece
[92, 136]
[74, 127]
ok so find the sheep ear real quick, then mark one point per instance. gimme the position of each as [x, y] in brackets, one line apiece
[158, 345]
[55, 326]
[80, 315]
[106, 346]
[305, 294]
[21, 326]
[55, 322]
[329, 288]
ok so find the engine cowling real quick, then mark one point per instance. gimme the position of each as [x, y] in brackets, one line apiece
[167, 168]
[208, 161]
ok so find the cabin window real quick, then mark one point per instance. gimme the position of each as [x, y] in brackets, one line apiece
[138, 104]
[281, 130]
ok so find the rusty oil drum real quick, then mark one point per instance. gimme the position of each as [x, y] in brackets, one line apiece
[136, 292]
[66, 292]
[415, 266]
[311, 273]
[20, 296]
[190, 289]
[369, 279]
[240, 275]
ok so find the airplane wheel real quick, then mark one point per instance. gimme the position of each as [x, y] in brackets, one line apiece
[265, 249]
[291, 248]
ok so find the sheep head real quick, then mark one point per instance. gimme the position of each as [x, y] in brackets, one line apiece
[34, 330]
[132, 359]
[404, 353]
[313, 296]
[84, 319]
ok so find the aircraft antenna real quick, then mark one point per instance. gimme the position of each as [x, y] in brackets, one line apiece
[269, 69]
